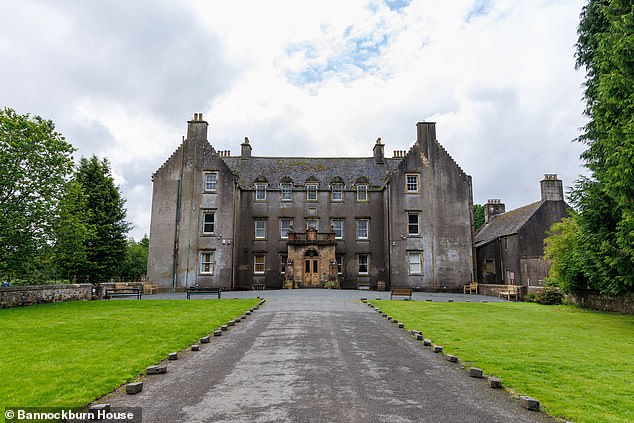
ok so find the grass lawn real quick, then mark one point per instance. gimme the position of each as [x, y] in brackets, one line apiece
[578, 363]
[68, 354]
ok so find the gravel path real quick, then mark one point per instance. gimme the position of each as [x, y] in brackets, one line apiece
[318, 356]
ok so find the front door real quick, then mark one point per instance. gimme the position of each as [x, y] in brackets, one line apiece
[311, 271]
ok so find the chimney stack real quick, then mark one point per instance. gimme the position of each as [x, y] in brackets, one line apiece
[492, 208]
[425, 134]
[552, 188]
[245, 153]
[379, 154]
[197, 128]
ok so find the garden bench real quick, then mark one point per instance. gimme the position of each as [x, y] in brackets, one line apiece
[509, 291]
[401, 292]
[123, 292]
[202, 290]
[257, 287]
[148, 288]
[470, 288]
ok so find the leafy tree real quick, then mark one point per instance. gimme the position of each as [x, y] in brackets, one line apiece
[478, 217]
[35, 162]
[106, 243]
[135, 263]
[601, 237]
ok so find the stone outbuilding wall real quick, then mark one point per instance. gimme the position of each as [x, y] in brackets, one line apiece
[14, 296]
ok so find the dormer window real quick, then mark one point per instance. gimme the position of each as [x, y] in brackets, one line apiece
[287, 191]
[260, 192]
[337, 192]
[362, 192]
[311, 192]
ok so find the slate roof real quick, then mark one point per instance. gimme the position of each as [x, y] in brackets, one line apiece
[506, 223]
[300, 169]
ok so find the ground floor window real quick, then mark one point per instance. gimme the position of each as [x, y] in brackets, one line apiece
[206, 262]
[363, 264]
[415, 262]
[339, 264]
[283, 258]
[258, 264]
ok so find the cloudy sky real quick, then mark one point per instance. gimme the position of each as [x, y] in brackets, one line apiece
[120, 79]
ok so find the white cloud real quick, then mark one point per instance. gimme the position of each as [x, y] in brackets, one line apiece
[305, 78]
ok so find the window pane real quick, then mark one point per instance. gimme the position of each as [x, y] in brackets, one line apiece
[414, 262]
[362, 263]
[285, 227]
[362, 228]
[283, 263]
[209, 224]
[311, 192]
[260, 228]
[211, 181]
[412, 183]
[260, 192]
[362, 193]
[412, 228]
[287, 190]
[337, 227]
[337, 193]
[339, 264]
[313, 223]
[258, 266]
[206, 262]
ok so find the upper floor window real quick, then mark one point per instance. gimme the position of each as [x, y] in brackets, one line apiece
[362, 193]
[206, 262]
[209, 222]
[363, 228]
[211, 181]
[337, 192]
[260, 229]
[413, 227]
[260, 192]
[286, 225]
[311, 192]
[287, 192]
[411, 184]
[312, 224]
[337, 227]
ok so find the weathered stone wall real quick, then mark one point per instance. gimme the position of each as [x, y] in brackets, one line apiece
[14, 296]
[596, 301]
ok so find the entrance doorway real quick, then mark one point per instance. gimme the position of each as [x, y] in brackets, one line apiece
[311, 268]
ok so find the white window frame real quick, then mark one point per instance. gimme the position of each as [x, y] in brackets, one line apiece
[260, 192]
[283, 261]
[336, 192]
[205, 223]
[256, 265]
[363, 233]
[287, 191]
[211, 181]
[410, 224]
[283, 229]
[415, 258]
[207, 263]
[260, 229]
[334, 223]
[311, 191]
[315, 226]
[367, 264]
[339, 259]
[362, 192]
[414, 185]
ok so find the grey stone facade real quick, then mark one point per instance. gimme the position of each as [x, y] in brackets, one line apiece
[510, 245]
[222, 220]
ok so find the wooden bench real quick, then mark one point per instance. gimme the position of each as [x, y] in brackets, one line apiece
[150, 289]
[202, 290]
[470, 288]
[509, 291]
[123, 292]
[401, 292]
[257, 287]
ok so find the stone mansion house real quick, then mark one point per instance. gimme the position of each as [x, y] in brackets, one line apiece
[235, 221]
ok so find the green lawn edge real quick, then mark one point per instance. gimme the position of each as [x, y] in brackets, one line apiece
[69, 354]
[578, 363]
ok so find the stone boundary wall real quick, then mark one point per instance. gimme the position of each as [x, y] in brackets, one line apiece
[596, 301]
[15, 296]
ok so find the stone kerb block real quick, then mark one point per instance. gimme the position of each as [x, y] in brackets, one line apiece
[475, 372]
[427, 342]
[217, 333]
[419, 336]
[204, 339]
[231, 323]
[94, 409]
[134, 388]
[495, 383]
[388, 318]
[224, 328]
[395, 321]
[195, 347]
[172, 356]
[238, 320]
[401, 325]
[156, 370]
[437, 349]
[529, 403]
[452, 358]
